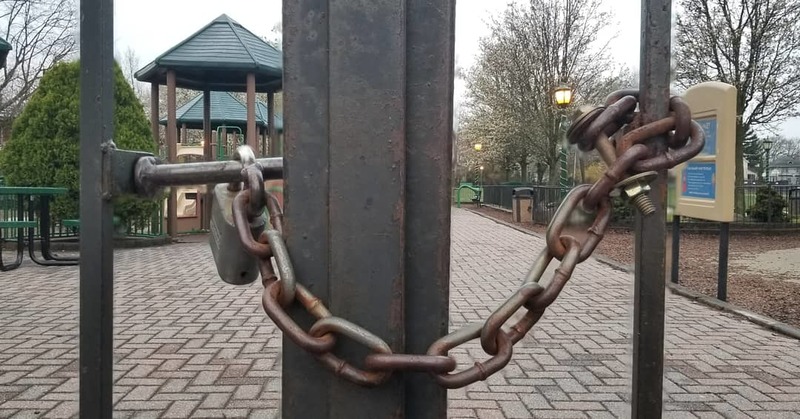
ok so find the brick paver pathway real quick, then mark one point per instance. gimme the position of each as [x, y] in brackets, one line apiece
[189, 345]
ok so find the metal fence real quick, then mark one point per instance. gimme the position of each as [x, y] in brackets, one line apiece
[546, 199]
[775, 206]
[151, 225]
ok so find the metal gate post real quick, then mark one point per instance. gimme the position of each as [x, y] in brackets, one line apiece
[368, 114]
[96, 249]
[650, 247]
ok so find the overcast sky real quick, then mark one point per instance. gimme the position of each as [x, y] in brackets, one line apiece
[150, 27]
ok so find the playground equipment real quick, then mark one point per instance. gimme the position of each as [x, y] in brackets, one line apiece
[477, 195]
[226, 146]
[189, 213]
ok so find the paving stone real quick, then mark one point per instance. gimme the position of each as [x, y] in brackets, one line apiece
[188, 345]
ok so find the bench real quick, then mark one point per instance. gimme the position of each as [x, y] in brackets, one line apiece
[477, 198]
[72, 224]
[18, 224]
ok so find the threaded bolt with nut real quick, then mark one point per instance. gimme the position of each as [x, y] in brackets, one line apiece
[644, 204]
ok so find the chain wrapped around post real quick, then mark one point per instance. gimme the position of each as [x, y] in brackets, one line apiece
[622, 141]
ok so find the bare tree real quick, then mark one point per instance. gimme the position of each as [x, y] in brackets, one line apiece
[785, 147]
[501, 147]
[41, 33]
[129, 63]
[753, 45]
[531, 50]
[275, 37]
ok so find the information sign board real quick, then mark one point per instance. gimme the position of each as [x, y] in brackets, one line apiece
[706, 183]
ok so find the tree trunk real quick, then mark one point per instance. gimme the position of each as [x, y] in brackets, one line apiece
[554, 172]
[523, 164]
[540, 170]
[738, 198]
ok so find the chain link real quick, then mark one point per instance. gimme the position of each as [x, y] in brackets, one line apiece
[622, 141]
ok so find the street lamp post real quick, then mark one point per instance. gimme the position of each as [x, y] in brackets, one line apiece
[563, 98]
[767, 146]
[478, 147]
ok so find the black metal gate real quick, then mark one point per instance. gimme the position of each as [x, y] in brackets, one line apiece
[368, 110]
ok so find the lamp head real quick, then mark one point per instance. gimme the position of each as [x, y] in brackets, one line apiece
[563, 95]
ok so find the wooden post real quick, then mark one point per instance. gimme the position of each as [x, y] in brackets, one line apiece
[172, 154]
[205, 215]
[223, 142]
[154, 116]
[274, 150]
[265, 145]
[251, 113]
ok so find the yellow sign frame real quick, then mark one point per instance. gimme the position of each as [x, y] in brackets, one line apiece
[704, 186]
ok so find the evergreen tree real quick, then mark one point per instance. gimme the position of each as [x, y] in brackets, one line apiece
[44, 145]
[754, 152]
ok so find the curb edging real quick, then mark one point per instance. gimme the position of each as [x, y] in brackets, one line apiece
[761, 320]
[764, 321]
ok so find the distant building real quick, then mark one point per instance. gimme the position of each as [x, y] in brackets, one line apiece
[750, 177]
[785, 170]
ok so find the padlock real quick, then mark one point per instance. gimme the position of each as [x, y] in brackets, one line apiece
[234, 264]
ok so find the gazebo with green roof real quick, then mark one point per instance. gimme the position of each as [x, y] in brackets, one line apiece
[226, 111]
[221, 56]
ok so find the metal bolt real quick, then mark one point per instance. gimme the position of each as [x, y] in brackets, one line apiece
[635, 189]
[644, 204]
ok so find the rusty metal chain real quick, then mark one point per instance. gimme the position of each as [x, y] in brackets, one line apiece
[626, 147]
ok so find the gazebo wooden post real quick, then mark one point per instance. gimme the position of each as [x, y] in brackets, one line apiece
[205, 214]
[172, 154]
[154, 128]
[262, 140]
[266, 141]
[251, 112]
[274, 150]
[223, 142]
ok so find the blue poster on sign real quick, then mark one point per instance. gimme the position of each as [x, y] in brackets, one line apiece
[709, 126]
[699, 180]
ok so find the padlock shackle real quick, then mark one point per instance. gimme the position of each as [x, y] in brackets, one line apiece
[151, 176]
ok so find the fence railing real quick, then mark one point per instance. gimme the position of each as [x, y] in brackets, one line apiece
[775, 206]
[546, 199]
[151, 225]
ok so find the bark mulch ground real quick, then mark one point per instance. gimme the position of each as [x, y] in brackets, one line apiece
[750, 285]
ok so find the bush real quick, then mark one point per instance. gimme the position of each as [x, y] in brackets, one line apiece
[621, 211]
[769, 206]
[44, 145]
